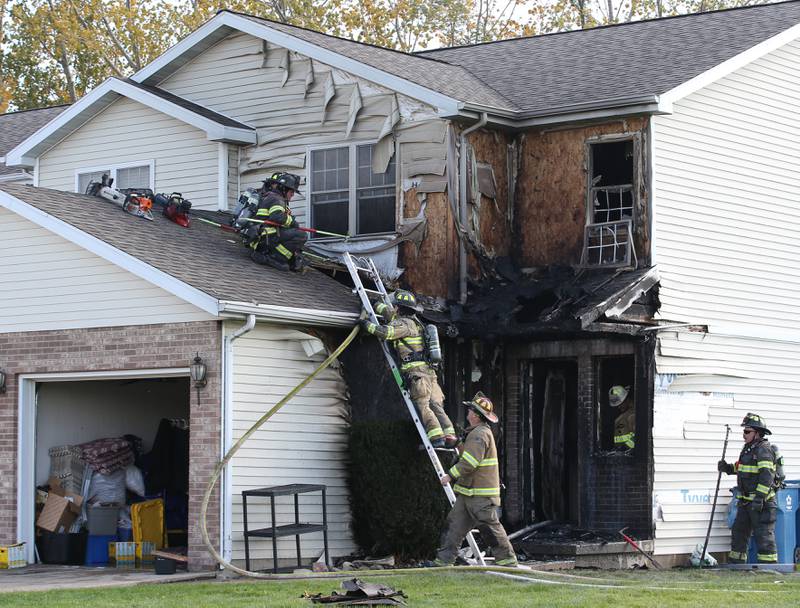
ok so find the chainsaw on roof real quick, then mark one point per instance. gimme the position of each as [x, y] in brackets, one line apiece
[132, 200]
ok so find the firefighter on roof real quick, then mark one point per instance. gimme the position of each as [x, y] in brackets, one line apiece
[476, 478]
[406, 334]
[278, 246]
[759, 473]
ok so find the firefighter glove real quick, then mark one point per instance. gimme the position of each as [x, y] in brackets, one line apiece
[757, 505]
[722, 466]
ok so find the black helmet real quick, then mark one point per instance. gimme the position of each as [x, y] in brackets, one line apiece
[754, 421]
[287, 181]
[405, 299]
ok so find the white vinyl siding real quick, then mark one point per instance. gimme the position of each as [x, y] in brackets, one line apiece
[232, 78]
[128, 134]
[50, 283]
[305, 442]
[727, 225]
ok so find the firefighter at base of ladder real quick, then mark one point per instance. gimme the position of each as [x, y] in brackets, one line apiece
[278, 246]
[476, 478]
[619, 398]
[407, 335]
[759, 473]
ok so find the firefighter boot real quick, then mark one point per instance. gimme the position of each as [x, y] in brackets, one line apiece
[298, 263]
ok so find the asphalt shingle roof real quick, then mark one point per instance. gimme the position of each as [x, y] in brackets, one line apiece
[191, 106]
[17, 126]
[546, 74]
[202, 256]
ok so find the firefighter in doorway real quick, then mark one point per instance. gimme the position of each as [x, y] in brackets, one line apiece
[278, 246]
[620, 398]
[759, 473]
[477, 487]
[406, 334]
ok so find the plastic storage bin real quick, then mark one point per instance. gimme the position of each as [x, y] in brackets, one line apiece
[102, 521]
[97, 549]
[57, 548]
[148, 522]
[786, 531]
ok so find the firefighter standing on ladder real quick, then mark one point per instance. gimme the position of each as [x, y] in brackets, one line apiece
[759, 473]
[406, 334]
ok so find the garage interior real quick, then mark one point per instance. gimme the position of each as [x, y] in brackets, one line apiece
[150, 414]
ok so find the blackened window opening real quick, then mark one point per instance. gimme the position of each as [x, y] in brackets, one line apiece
[612, 187]
[615, 421]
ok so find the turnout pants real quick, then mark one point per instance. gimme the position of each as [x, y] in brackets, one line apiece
[762, 525]
[468, 512]
[429, 399]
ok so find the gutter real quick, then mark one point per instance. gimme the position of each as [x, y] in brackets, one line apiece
[289, 314]
[226, 527]
[462, 206]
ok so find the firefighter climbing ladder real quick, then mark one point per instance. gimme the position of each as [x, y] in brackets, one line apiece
[368, 268]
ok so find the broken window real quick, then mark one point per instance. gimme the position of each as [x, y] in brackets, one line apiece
[616, 403]
[346, 196]
[612, 197]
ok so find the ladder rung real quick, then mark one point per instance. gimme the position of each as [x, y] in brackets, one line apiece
[361, 269]
[377, 293]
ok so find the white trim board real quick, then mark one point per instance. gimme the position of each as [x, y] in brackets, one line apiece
[26, 436]
[108, 252]
[447, 106]
[100, 98]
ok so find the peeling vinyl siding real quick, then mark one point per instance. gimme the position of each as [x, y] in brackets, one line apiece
[237, 79]
[128, 132]
[726, 229]
[50, 283]
[305, 442]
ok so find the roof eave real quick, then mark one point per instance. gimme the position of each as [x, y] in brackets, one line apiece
[124, 260]
[288, 314]
[98, 100]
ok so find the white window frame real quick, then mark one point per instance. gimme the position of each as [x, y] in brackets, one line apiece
[353, 187]
[113, 167]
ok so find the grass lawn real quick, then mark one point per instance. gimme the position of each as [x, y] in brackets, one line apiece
[458, 589]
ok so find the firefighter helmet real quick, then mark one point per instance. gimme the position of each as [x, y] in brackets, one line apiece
[754, 421]
[483, 406]
[617, 395]
[405, 299]
[286, 181]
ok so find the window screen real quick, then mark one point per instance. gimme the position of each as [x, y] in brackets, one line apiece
[375, 195]
[330, 189]
[133, 177]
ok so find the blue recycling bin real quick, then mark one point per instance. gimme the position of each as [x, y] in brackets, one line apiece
[786, 528]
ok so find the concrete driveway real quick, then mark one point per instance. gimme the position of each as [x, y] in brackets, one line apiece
[42, 577]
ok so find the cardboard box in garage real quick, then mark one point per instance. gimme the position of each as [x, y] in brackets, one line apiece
[60, 509]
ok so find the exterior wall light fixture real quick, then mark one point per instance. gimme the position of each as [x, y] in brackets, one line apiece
[197, 370]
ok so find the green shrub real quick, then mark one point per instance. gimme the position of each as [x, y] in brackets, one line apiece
[397, 503]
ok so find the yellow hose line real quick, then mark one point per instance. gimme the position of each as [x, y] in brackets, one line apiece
[221, 465]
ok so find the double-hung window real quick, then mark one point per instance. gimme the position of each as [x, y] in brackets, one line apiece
[129, 175]
[346, 197]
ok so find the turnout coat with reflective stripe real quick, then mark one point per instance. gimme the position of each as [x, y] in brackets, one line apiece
[477, 473]
[755, 471]
[406, 336]
[275, 208]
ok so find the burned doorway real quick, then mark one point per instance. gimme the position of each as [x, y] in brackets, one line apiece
[549, 440]
[616, 401]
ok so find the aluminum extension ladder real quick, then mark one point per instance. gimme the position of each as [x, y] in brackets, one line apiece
[365, 266]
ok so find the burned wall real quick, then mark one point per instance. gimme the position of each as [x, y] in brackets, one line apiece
[551, 193]
[613, 488]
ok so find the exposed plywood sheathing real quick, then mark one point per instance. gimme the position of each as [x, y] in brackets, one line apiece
[551, 193]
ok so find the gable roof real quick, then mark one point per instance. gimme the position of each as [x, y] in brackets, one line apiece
[201, 264]
[217, 126]
[18, 126]
[624, 64]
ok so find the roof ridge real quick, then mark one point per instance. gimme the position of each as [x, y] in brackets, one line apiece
[606, 26]
[308, 29]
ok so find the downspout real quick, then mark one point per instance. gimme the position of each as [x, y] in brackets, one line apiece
[227, 432]
[462, 206]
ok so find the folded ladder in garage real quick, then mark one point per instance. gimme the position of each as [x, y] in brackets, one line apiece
[359, 267]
